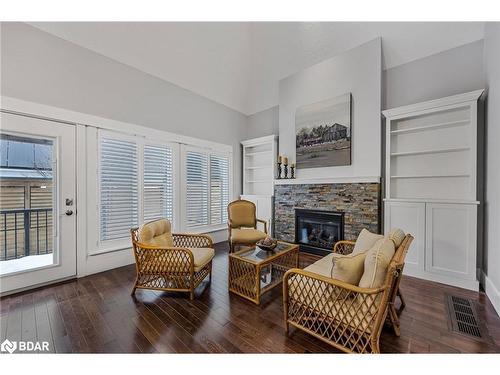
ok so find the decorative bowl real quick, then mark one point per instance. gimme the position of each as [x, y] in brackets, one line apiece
[267, 244]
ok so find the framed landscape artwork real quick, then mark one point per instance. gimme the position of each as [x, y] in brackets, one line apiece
[323, 133]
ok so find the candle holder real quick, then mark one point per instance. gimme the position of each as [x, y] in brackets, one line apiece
[279, 171]
[286, 171]
[292, 171]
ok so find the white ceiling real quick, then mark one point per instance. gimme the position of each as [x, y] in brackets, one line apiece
[239, 64]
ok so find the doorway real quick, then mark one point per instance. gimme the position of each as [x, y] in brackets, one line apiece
[37, 201]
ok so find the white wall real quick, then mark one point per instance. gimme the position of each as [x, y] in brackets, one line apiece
[263, 123]
[41, 68]
[289, 47]
[450, 72]
[492, 204]
[447, 73]
[357, 71]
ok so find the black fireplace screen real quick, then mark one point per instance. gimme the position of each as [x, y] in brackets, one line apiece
[318, 229]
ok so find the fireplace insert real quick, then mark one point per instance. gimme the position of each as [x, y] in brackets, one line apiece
[316, 231]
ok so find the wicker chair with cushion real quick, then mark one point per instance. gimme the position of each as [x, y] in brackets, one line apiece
[347, 315]
[168, 261]
[242, 224]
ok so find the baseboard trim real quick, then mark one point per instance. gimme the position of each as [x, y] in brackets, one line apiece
[37, 286]
[452, 281]
[492, 292]
[108, 261]
[218, 235]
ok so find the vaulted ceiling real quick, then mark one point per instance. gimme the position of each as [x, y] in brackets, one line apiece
[240, 64]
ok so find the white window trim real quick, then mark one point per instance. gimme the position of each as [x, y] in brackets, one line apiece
[229, 155]
[183, 216]
[117, 243]
[179, 172]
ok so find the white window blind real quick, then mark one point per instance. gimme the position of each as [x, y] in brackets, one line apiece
[118, 188]
[158, 183]
[197, 193]
[219, 188]
[207, 178]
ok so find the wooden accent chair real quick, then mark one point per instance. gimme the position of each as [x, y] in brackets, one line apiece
[168, 261]
[242, 224]
[346, 316]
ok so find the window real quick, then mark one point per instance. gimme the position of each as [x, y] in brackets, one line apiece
[207, 188]
[141, 180]
[158, 193]
[119, 203]
[196, 189]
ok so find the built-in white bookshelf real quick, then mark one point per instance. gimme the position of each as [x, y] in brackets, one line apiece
[431, 153]
[431, 185]
[259, 165]
[259, 169]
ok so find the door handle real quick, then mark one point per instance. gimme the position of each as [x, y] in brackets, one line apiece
[69, 212]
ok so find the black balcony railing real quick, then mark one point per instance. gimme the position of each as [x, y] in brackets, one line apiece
[25, 232]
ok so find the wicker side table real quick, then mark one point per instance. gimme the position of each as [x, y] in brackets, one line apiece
[253, 272]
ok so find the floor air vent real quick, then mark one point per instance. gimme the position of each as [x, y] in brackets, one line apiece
[463, 316]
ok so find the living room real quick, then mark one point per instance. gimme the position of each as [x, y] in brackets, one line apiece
[249, 187]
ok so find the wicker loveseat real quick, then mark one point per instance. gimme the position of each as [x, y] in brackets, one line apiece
[169, 261]
[346, 316]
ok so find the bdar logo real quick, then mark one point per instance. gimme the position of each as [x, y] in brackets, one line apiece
[8, 346]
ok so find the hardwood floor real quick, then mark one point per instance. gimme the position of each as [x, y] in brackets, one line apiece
[97, 314]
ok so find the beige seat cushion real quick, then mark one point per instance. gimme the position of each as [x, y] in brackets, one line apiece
[246, 236]
[346, 268]
[397, 236]
[157, 233]
[376, 263]
[322, 266]
[202, 256]
[365, 241]
[153, 264]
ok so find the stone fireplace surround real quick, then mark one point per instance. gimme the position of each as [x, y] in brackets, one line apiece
[360, 203]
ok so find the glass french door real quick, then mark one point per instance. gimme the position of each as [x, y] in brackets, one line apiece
[37, 201]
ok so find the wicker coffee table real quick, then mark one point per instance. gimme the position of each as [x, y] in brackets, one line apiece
[253, 271]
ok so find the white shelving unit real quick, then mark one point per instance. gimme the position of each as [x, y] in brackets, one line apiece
[259, 169]
[259, 165]
[431, 185]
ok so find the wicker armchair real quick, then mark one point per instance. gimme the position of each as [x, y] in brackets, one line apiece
[346, 316]
[180, 267]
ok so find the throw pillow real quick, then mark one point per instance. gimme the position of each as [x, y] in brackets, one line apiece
[376, 263]
[365, 241]
[397, 236]
[348, 268]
